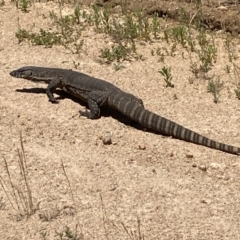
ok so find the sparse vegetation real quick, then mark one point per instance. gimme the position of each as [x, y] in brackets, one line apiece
[68, 32]
[161, 54]
[116, 53]
[23, 5]
[179, 34]
[206, 53]
[166, 73]
[230, 47]
[207, 56]
[118, 66]
[45, 38]
[18, 191]
[228, 68]
[237, 91]
[69, 234]
[136, 234]
[134, 26]
[237, 80]
[215, 86]
[43, 235]
[49, 215]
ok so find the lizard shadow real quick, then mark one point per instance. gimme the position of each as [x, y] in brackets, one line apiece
[41, 91]
[60, 93]
[105, 110]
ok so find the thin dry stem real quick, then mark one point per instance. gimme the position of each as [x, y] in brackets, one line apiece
[69, 185]
[13, 193]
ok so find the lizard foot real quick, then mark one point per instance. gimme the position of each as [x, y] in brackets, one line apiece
[84, 113]
[55, 101]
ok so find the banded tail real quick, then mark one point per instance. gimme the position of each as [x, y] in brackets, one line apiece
[162, 125]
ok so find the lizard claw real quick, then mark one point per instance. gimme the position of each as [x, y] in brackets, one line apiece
[84, 113]
[55, 101]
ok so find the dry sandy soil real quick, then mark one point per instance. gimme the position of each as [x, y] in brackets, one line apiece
[176, 189]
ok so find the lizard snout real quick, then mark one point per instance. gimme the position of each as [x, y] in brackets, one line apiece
[16, 74]
[22, 73]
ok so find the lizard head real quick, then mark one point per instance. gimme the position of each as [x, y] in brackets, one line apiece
[24, 72]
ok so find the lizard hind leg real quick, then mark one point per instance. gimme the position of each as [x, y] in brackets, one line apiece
[95, 100]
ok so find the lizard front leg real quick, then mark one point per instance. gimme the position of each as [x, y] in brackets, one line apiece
[54, 83]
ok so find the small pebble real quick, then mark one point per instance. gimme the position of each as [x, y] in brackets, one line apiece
[189, 155]
[202, 167]
[107, 139]
[215, 165]
[141, 147]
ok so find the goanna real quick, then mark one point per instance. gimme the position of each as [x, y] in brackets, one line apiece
[98, 93]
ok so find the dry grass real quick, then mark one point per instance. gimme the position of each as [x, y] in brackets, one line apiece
[17, 188]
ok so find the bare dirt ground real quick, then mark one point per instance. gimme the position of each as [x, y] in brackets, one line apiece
[176, 189]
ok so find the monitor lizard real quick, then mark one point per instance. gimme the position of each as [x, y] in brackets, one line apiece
[97, 93]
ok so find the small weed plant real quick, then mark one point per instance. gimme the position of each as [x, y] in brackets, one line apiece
[166, 73]
[214, 87]
[70, 234]
[23, 5]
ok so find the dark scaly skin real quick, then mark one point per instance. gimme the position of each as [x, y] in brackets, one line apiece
[97, 93]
